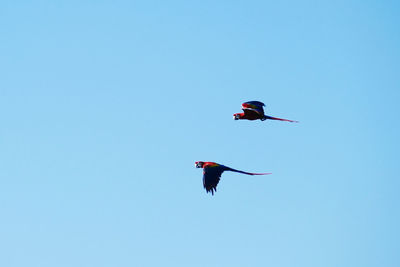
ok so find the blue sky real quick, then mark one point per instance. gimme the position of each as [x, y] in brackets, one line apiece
[106, 105]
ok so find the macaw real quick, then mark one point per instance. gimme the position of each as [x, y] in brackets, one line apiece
[212, 172]
[253, 110]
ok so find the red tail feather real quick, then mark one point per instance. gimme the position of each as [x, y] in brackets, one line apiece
[279, 119]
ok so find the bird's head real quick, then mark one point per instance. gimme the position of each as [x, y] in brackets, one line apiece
[236, 116]
[199, 164]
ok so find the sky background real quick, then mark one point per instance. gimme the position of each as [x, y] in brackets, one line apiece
[106, 105]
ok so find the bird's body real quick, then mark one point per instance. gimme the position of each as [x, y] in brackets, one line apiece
[254, 110]
[212, 173]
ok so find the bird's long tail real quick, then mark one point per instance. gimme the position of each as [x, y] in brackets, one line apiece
[278, 119]
[248, 173]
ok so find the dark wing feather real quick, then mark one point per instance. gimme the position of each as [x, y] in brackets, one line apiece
[257, 103]
[252, 108]
[253, 114]
[211, 177]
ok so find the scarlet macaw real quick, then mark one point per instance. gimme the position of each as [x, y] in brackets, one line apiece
[253, 110]
[212, 172]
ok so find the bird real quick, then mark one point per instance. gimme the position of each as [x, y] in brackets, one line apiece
[253, 110]
[212, 173]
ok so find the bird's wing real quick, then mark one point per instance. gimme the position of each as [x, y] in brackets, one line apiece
[256, 103]
[252, 107]
[253, 113]
[211, 177]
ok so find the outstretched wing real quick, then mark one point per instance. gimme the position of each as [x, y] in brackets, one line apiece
[252, 107]
[211, 177]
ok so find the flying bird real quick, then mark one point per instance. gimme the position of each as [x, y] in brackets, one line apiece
[253, 110]
[212, 173]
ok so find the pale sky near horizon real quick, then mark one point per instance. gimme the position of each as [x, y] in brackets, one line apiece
[106, 105]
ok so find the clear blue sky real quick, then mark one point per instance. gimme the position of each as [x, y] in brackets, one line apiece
[106, 105]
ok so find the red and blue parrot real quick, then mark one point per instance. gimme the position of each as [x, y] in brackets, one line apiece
[212, 173]
[253, 110]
